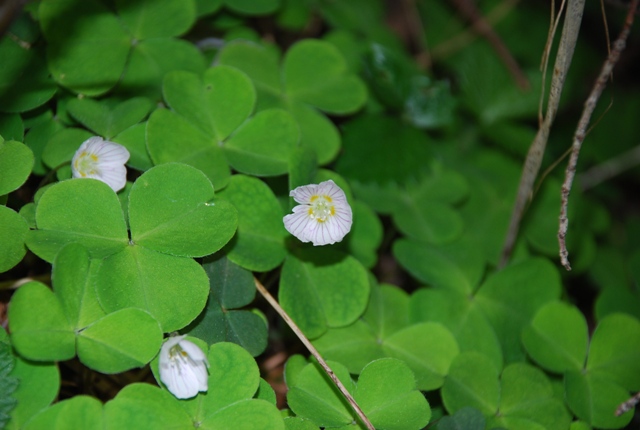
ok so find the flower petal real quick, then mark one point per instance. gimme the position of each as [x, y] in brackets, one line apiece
[325, 216]
[299, 222]
[102, 160]
[195, 353]
[183, 367]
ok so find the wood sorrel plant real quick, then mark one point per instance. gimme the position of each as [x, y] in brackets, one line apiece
[162, 159]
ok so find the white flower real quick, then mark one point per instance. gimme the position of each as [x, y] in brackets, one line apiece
[323, 216]
[183, 367]
[103, 160]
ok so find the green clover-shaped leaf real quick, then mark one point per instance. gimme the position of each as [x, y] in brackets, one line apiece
[77, 33]
[71, 318]
[322, 289]
[13, 232]
[259, 242]
[109, 121]
[38, 387]
[81, 412]
[172, 218]
[232, 287]
[16, 162]
[314, 75]
[386, 392]
[510, 298]
[209, 125]
[170, 211]
[234, 378]
[90, 48]
[522, 397]
[557, 337]
[361, 343]
[24, 79]
[86, 211]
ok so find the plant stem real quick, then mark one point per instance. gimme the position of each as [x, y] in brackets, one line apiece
[581, 130]
[532, 163]
[628, 405]
[481, 25]
[610, 168]
[274, 303]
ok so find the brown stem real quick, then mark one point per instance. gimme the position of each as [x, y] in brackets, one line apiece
[416, 32]
[274, 303]
[578, 137]
[467, 36]
[532, 163]
[470, 11]
[628, 405]
[610, 168]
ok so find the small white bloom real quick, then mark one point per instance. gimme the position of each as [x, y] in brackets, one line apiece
[183, 367]
[103, 160]
[323, 216]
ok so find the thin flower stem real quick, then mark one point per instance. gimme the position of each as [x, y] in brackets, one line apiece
[581, 130]
[17, 283]
[52, 172]
[274, 303]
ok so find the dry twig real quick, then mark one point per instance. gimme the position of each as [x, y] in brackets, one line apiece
[274, 303]
[416, 32]
[578, 137]
[610, 168]
[480, 24]
[628, 405]
[532, 163]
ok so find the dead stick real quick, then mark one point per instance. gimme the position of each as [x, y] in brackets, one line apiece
[274, 303]
[628, 405]
[578, 137]
[532, 163]
[480, 24]
[416, 31]
[610, 168]
[465, 37]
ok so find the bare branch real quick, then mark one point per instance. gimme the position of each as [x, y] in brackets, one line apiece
[274, 303]
[578, 137]
[610, 168]
[480, 24]
[533, 161]
[628, 405]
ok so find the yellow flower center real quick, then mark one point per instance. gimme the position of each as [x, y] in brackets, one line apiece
[86, 164]
[321, 208]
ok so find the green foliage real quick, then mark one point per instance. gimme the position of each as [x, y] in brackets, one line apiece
[7, 382]
[314, 75]
[70, 319]
[16, 162]
[78, 412]
[106, 121]
[13, 232]
[322, 289]
[259, 242]
[24, 80]
[38, 386]
[557, 337]
[232, 288]
[523, 394]
[386, 391]
[225, 107]
[138, 38]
